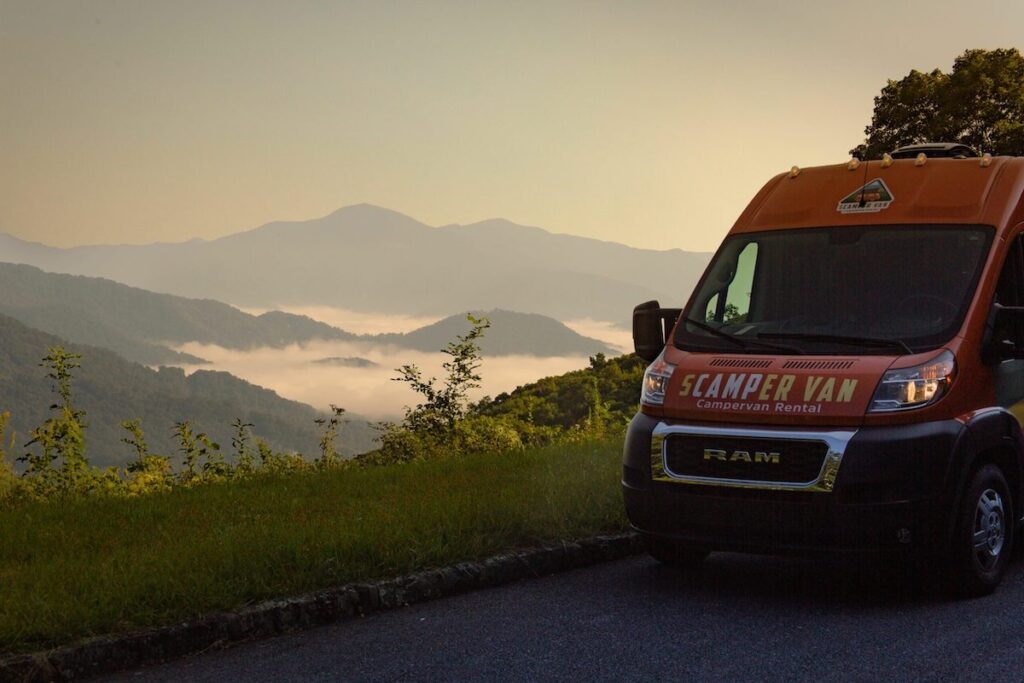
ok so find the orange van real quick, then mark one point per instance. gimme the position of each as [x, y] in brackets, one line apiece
[848, 374]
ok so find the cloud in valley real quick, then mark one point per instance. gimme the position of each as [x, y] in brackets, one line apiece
[294, 373]
[610, 333]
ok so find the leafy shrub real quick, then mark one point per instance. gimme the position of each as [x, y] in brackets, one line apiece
[8, 479]
[245, 463]
[271, 462]
[329, 456]
[148, 473]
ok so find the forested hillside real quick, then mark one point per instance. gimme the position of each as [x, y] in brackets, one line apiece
[510, 333]
[139, 324]
[569, 399]
[142, 326]
[111, 389]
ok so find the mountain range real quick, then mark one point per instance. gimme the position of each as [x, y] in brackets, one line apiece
[124, 307]
[366, 258]
[144, 326]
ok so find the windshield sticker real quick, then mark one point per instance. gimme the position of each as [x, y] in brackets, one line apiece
[870, 198]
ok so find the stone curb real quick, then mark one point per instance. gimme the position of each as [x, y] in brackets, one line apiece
[108, 654]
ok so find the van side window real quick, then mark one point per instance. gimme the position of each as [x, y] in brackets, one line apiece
[712, 309]
[737, 301]
[731, 304]
[1010, 290]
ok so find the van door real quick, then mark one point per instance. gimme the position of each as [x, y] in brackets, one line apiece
[1010, 292]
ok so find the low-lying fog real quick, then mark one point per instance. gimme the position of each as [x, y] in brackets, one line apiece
[378, 323]
[294, 373]
[324, 372]
[614, 335]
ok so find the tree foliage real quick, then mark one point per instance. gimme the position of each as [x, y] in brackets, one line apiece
[8, 480]
[61, 436]
[441, 407]
[329, 455]
[147, 472]
[193, 448]
[568, 400]
[245, 461]
[432, 426]
[979, 103]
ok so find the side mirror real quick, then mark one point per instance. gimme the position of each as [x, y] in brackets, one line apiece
[1003, 339]
[651, 327]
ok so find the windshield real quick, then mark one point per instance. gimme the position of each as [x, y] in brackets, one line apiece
[836, 291]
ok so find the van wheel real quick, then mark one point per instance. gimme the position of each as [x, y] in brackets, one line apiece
[984, 534]
[674, 554]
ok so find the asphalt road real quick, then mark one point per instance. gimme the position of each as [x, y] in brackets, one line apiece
[741, 618]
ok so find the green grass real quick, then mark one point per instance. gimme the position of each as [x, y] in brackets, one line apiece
[95, 566]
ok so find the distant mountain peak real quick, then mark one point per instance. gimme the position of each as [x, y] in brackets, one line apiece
[511, 333]
[367, 210]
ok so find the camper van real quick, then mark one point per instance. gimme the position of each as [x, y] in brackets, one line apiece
[848, 374]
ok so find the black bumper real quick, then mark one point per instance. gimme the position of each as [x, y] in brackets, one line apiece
[890, 493]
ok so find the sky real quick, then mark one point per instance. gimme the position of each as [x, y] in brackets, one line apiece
[647, 123]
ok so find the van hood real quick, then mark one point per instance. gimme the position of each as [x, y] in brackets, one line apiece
[772, 389]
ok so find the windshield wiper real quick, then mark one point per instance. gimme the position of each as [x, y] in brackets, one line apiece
[741, 342]
[875, 342]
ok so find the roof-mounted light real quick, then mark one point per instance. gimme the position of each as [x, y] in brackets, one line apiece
[886, 160]
[986, 160]
[852, 164]
[794, 172]
[921, 159]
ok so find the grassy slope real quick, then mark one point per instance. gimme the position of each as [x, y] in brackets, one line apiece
[96, 566]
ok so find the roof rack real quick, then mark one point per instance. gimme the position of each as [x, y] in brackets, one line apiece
[935, 150]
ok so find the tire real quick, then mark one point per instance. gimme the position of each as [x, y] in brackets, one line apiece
[674, 554]
[984, 534]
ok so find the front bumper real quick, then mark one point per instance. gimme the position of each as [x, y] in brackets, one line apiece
[884, 490]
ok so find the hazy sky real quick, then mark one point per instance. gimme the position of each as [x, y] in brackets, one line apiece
[649, 123]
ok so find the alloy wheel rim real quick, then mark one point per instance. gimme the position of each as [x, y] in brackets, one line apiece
[989, 528]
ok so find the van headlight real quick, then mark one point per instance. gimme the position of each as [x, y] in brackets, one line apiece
[914, 387]
[656, 379]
